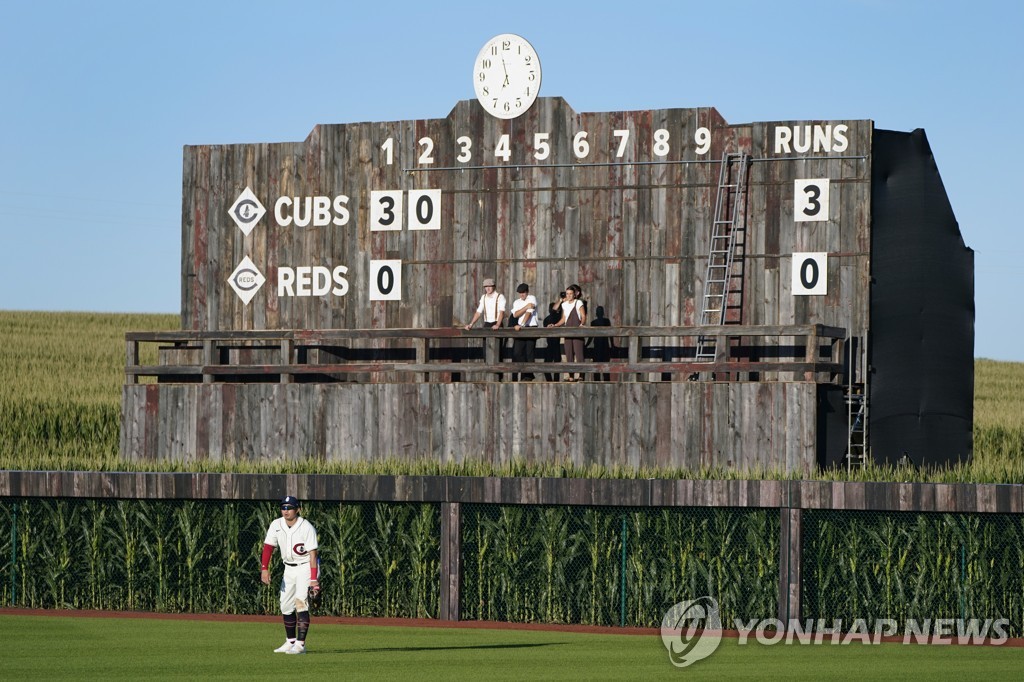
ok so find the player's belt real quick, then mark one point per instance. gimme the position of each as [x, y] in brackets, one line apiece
[288, 564]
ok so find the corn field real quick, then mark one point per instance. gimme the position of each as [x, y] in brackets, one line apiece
[550, 564]
[526, 564]
[913, 565]
[203, 557]
[609, 566]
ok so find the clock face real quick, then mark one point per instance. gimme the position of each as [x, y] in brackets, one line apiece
[506, 75]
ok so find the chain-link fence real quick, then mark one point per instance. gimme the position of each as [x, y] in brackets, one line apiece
[900, 566]
[521, 563]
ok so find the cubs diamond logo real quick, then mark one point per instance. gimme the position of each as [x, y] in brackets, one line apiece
[246, 211]
[246, 280]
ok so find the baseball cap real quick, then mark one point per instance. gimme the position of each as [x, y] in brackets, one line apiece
[290, 500]
[522, 288]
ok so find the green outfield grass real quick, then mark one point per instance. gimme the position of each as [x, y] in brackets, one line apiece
[60, 409]
[114, 649]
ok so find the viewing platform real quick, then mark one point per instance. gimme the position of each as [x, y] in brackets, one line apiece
[811, 352]
[769, 398]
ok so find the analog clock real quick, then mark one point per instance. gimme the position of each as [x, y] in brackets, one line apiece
[506, 75]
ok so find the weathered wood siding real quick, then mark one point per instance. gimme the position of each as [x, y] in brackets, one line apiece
[854, 496]
[741, 425]
[633, 231]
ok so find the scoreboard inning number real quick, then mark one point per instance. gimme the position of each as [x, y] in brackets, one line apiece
[620, 145]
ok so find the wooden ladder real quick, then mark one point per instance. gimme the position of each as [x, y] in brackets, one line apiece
[727, 222]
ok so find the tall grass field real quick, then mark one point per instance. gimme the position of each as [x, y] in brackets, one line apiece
[136, 649]
[60, 390]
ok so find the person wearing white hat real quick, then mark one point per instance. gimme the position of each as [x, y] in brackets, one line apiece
[491, 306]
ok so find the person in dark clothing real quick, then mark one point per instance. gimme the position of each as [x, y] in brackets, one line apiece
[553, 351]
[602, 344]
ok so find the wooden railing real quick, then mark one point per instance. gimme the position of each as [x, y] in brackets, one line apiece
[811, 352]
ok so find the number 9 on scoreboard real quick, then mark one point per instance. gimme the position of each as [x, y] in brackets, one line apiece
[810, 274]
[385, 280]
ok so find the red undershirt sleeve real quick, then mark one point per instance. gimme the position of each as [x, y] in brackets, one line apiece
[265, 559]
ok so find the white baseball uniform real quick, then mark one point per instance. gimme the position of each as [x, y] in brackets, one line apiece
[294, 542]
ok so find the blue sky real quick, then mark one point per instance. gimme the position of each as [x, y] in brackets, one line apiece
[99, 98]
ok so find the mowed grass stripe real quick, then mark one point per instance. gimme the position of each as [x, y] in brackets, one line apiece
[113, 649]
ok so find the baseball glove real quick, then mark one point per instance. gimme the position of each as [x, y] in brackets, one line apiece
[316, 597]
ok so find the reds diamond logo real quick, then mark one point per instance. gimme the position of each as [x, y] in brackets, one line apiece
[246, 211]
[246, 280]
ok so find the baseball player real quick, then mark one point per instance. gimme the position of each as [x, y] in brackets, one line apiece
[296, 538]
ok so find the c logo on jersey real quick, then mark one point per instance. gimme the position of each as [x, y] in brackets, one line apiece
[300, 549]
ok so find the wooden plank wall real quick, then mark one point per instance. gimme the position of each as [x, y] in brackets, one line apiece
[773, 236]
[633, 231]
[964, 498]
[633, 235]
[657, 424]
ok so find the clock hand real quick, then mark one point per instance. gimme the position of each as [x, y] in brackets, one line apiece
[505, 69]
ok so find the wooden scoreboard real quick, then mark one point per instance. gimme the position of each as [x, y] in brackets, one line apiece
[669, 218]
[397, 224]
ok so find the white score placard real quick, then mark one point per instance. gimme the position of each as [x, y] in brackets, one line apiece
[810, 274]
[424, 209]
[810, 200]
[385, 210]
[385, 280]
